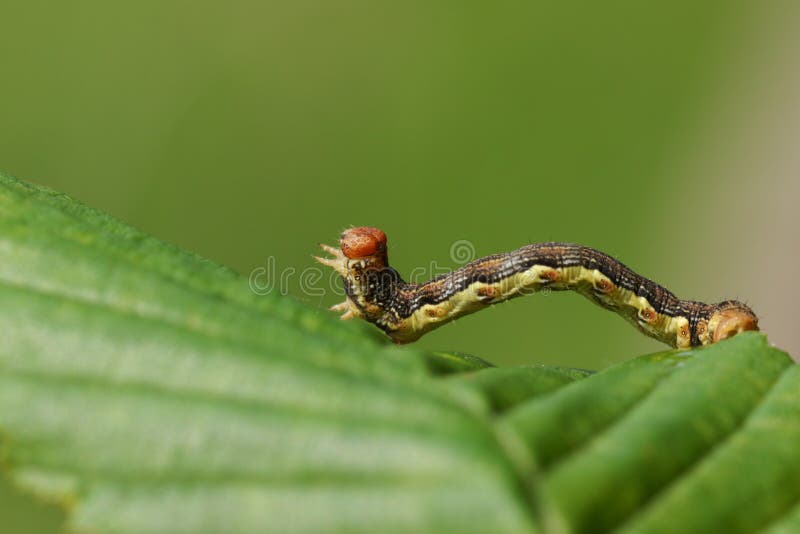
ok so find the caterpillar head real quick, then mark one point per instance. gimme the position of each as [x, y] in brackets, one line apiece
[362, 245]
[366, 244]
[362, 261]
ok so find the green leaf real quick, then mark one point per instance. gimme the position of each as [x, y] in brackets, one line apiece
[558, 424]
[507, 387]
[694, 441]
[759, 465]
[445, 363]
[148, 390]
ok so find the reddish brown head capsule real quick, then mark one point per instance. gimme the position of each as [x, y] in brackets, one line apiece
[363, 242]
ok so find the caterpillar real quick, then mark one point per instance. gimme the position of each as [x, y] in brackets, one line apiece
[405, 311]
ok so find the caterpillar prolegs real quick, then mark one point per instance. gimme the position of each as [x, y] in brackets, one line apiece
[406, 311]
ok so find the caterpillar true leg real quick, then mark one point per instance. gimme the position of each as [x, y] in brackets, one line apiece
[405, 311]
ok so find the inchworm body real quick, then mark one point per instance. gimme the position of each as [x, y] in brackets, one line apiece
[406, 311]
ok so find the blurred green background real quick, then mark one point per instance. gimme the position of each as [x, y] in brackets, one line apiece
[253, 130]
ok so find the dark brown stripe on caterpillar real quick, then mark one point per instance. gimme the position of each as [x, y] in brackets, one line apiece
[406, 311]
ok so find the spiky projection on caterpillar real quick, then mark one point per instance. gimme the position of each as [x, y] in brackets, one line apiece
[405, 311]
